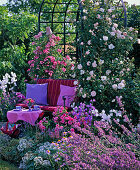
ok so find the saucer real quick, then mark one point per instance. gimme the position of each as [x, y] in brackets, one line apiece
[16, 109]
[35, 109]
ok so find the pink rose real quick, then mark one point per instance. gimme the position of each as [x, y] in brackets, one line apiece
[59, 50]
[63, 69]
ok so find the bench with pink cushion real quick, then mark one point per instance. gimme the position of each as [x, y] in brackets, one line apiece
[53, 92]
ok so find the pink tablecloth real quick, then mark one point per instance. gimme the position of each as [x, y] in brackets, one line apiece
[25, 115]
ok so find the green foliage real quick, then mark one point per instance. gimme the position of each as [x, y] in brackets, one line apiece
[8, 151]
[29, 5]
[15, 33]
[7, 165]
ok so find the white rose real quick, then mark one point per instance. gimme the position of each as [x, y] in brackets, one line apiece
[111, 46]
[112, 33]
[75, 82]
[105, 38]
[101, 9]
[79, 66]
[114, 86]
[94, 64]
[84, 17]
[87, 52]
[108, 72]
[82, 72]
[88, 63]
[85, 11]
[113, 29]
[93, 93]
[115, 25]
[84, 95]
[88, 78]
[121, 85]
[73, 76]
[103, 78]
[91, 72]
[101, 62]
[89, 42]
[109, 10]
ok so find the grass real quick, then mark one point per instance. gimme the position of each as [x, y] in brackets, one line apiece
[7, 166]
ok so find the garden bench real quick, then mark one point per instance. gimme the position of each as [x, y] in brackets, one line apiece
[53, 92]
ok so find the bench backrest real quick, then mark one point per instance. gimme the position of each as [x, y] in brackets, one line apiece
[54, 88]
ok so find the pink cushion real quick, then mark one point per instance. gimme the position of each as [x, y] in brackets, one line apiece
[69, 93]
[54, 88]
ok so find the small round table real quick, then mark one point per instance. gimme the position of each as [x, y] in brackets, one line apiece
[25, 115]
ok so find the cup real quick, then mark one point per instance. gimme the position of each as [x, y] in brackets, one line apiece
[18, 107]
[36, 107]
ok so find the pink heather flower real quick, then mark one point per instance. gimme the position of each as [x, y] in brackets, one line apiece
[72, 130]
[101, 9]
[59, 50]
[82, 43]
[63, 69]
[131, 29]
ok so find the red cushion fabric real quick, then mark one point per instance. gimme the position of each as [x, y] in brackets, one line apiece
[54, 88]
[48, 108]
[22, 105]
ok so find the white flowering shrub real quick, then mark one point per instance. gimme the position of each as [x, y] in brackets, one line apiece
[104, 70]
[8, 96]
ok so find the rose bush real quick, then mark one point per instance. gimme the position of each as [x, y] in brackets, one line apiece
[104, 70]
[48, 60]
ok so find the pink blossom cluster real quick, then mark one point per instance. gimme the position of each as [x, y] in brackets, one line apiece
[43, 124]
[57, 132]
[62, 117]
[47, 57]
